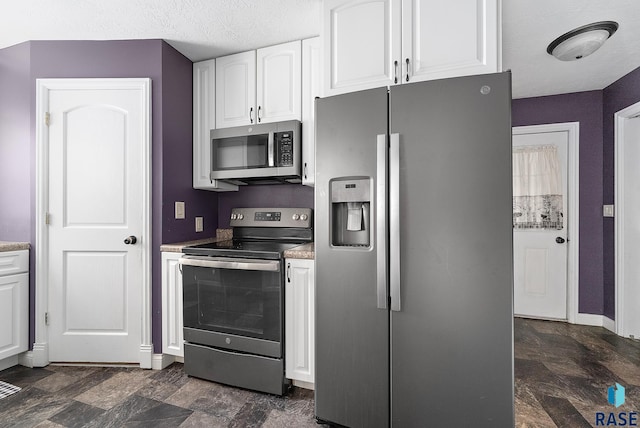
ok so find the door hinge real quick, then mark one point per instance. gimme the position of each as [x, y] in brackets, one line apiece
[47, 219]
[47, 119]
[46, 318]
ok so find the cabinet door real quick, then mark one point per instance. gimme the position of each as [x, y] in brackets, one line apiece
[300, 320]
[279, 83]
[236, 90]
[14, 314]
[172, 334]
[204, 118]
[311, 83]
[447, 38]
[362, 44]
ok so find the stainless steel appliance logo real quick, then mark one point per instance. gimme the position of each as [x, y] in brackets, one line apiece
[616, 397]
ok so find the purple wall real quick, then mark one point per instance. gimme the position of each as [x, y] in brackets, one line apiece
[171, 134]
[264, 196]
[586, 108]
[617, 96]
[16, 151]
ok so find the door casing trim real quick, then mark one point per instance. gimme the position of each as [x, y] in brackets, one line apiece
[619, 144]
[573, 217]
[40, 353]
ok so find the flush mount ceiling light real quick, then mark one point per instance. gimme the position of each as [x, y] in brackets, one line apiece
[582, 41]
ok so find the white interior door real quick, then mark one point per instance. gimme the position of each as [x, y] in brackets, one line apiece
[540, 261]
[627, 224]
[96, 200]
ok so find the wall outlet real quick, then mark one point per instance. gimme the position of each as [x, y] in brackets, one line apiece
[179, 210]
[607, 211]
[199, 224]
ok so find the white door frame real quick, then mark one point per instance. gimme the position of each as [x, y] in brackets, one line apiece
[40, 354]
[573, 131]
[619, 142]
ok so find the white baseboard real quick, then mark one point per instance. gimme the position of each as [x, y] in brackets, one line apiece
[302, 384]
[26, 359]
[161, 361]
[596, 321]
[609, 324]
[40, 355]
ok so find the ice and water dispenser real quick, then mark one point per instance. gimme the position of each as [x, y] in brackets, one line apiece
[351, 212]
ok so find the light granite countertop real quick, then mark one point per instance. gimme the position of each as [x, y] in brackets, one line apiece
[13, 246]
[176, 247]
[305, 251]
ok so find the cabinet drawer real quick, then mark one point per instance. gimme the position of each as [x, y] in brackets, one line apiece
[14, 262]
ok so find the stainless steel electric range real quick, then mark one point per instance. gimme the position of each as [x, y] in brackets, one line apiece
[234, 299]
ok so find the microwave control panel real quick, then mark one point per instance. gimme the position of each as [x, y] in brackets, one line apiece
[284, 142]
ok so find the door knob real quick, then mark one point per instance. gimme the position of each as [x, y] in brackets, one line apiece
[560, 240]
[130, 240]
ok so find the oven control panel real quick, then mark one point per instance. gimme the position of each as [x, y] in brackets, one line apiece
[271, 217]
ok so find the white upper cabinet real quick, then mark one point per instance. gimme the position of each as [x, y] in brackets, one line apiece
[362, 40]
[373, 43]
[447, 38]
[259, 86]
[311, 88]
[204, 119]
[279, 84]
[236, 90]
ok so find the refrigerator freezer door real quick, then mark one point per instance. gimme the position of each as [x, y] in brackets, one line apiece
[352, 334]
[452, 341]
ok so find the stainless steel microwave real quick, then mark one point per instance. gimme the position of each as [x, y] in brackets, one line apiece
[263, 153]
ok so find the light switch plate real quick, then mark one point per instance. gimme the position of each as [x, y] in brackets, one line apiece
[179, 210]
[199, 224]
[607, 210]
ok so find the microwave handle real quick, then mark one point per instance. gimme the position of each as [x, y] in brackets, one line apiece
[271, 148]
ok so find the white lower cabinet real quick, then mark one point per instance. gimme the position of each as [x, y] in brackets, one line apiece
[14, 306]
[172, 334]
[300, 322]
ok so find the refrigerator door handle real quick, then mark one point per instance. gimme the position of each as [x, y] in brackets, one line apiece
[381, 221]
[394, 221]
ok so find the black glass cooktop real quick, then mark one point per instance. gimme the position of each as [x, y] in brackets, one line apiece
[272, 250]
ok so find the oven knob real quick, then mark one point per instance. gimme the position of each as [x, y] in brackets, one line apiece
[240, 216]
[234, 216]
[296, 217]
[304, 217]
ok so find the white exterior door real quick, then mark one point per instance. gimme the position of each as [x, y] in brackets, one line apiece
[540, 256]
[98, 153]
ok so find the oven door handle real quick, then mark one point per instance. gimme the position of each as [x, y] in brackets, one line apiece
[230, 263]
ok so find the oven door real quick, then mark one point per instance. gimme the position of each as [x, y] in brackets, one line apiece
[233, 303]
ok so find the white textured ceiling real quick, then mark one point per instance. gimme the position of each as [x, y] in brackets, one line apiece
[529, 26]
[203, 29]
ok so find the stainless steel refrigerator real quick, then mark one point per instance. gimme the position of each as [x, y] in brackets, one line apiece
[413, 247]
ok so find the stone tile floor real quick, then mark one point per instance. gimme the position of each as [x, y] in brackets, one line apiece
[562, 373]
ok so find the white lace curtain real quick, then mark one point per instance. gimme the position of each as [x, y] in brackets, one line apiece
[537, 188]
